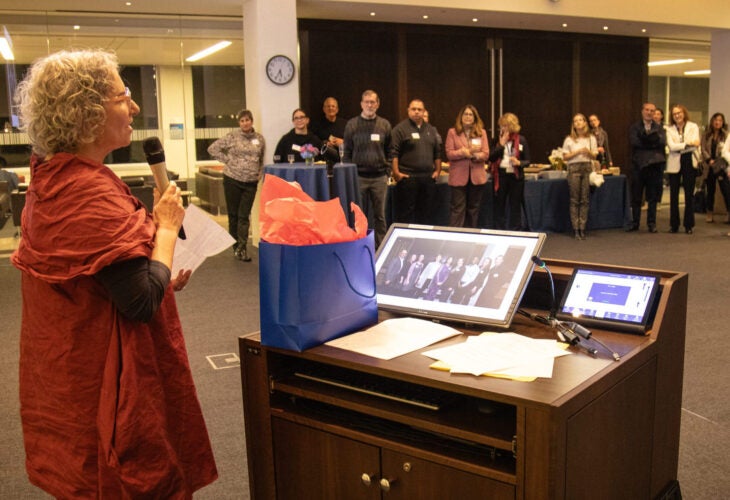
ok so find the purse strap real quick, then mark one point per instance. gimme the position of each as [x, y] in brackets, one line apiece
[347, 278]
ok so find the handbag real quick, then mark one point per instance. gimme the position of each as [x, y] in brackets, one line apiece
[596, 179]
[720, 166]
[311, 294]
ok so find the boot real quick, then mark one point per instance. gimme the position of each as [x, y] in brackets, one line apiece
[709, 217]
[244, 254]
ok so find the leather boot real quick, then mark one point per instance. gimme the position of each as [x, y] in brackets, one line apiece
[244, 254]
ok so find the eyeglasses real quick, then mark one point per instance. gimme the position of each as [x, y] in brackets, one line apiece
[127, 96]
[299, 117]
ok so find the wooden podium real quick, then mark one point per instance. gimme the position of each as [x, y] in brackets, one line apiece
[597, 429]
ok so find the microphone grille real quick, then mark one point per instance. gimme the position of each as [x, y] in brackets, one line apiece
[152, 148]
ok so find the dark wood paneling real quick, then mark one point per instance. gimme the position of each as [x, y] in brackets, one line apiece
[447, 71]
[538, 89]
[547, 77]
[344, 59]
[611, 85]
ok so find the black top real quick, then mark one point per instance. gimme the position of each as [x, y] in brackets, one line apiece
[290, 143]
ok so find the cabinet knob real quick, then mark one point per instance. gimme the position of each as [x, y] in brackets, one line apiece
[367, 479]
[385, 484]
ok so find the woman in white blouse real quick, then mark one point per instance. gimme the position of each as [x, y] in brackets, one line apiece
[683, 141]
[579, 151]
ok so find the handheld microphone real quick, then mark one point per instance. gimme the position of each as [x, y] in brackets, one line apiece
[541, 264]
[156, 159]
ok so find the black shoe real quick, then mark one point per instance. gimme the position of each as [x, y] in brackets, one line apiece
[653, 229]
[673, 230]
[244, 255]
[633, 227]
[688, 230]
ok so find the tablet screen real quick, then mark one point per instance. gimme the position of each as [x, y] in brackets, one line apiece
[463, 275]
[613, 300]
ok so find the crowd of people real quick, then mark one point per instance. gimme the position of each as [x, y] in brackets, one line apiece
[409, 155]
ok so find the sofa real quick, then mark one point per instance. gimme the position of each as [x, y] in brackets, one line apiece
[209, 189]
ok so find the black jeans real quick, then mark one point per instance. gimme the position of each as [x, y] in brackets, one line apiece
[711, 181]
[686, 176]
[239, 200]
[511, 192]
[466, 201]
[414, 199]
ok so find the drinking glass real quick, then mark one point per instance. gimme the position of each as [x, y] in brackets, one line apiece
[341, 149]
[277, 158]
[290, 158]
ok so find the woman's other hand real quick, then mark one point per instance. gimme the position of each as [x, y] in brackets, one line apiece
[181, 280]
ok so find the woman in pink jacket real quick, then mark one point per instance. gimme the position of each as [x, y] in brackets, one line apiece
[467, 149]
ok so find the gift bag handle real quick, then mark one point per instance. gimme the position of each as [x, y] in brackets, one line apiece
[372, 266]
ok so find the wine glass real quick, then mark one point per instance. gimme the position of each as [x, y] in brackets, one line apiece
[290, 158]
[341, 150]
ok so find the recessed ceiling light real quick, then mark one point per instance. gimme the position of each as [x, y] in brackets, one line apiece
[372, 14]
[77, 27]
[643, 30]
[425, 16]
[669, 62]
[128, 4]
[474, 19]
[605, 28]
[697, 72]
[565, 25]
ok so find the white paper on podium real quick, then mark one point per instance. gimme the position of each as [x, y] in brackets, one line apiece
[205, 238]
[506, 353]
[394, 337]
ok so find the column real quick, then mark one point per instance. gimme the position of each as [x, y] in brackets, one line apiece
[720, 77]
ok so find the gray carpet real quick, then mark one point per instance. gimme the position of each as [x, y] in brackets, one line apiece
[221, 302]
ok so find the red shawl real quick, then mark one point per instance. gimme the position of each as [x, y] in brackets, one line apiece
[108, 405]
[494, 166]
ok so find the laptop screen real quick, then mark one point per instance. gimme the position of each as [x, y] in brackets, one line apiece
[472, 276]
[612, 300]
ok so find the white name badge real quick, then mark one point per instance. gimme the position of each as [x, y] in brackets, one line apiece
[416, 135]
[476, 142]
[375, 137]
[296, 147]
[520, 147]
[255, 142]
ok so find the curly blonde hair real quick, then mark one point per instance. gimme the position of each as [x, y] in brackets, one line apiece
[60, 100]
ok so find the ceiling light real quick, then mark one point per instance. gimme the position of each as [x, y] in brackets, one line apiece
[210, 50]
[669, 62]
[425, 16]
[77, 27]
[474, 19]
[565, 25]
[605, 28]
[697, 72]
[6, 46]
[372, 14]
[643, 30]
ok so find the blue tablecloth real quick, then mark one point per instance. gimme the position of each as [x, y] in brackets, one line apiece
[547, 205]
[312, 178]
[346, 186]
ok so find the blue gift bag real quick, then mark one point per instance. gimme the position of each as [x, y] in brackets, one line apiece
[314, 293]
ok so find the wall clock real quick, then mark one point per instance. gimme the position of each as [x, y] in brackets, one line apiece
[280, 70]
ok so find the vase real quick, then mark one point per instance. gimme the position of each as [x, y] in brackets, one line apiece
[309, 161]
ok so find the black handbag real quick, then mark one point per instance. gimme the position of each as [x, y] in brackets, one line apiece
[720, 166]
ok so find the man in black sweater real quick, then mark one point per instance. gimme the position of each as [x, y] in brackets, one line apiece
[416, 159]
[367, 141]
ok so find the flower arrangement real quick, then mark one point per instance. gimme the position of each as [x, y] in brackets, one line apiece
[556, 159]
[308, 152]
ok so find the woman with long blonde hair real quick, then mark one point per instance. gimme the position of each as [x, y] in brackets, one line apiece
[579, 151]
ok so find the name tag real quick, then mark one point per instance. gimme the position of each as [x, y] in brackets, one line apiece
[416, 135]
[375, 137]
[520, 147]
[296, 147]
[255, 142]
[476, 142]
